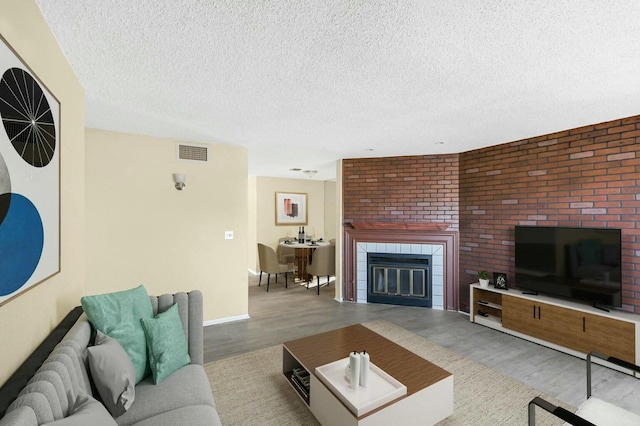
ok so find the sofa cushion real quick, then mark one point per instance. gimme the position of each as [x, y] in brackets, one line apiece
[118, 315]
[113, 374]
[603, 413]
[189, 386]
[195, 415]
[86, 412]
[166, 343]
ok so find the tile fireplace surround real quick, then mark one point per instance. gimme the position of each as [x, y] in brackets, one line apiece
[437, 266]
[442, 245]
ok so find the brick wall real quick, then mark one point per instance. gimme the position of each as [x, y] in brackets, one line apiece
[402, 189]
[588, 176]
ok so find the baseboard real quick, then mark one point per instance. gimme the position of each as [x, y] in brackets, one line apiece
[252, 272]
[227, 319]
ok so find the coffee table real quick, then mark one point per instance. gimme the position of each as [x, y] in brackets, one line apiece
[429, 397]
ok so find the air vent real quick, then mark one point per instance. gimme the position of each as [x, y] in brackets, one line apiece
[192, 152]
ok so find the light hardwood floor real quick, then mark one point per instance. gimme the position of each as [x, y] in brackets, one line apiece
[285, 314]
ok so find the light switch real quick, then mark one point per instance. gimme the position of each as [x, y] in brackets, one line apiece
[228, 235]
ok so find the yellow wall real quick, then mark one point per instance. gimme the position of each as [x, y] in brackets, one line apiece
[266, 230]
[26, 320]
[329, 209]
[338, 229]
[252, 242]
[141, 230]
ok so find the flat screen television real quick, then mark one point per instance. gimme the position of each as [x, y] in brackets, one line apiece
[575, 263]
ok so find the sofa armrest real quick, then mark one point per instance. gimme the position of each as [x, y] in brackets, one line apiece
[559, 412]
[191, 313]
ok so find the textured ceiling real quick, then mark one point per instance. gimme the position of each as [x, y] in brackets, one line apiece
[303, 83]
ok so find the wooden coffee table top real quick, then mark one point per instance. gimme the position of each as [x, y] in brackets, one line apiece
[413, 371]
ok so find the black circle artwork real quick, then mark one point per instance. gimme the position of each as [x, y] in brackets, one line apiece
[27, 117]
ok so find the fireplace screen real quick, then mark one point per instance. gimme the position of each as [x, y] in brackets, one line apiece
[403, 279]
[399, 281]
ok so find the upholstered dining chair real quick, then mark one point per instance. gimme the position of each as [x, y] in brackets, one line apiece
[286, 254]
[323, 263]
[269, 264]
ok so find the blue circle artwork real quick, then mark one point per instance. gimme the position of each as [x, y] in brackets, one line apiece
[21, 242]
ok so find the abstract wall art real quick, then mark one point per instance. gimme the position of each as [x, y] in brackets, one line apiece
[29, 178]
[291, 208]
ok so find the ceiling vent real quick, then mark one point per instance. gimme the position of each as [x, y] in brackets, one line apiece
[192, 152]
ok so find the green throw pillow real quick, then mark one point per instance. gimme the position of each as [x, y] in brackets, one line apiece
[118, 316]
[166, 343]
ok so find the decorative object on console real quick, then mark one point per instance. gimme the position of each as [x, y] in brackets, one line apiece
[483, 278]
[365, 362]
[29, 178]
[291, 208]
[179, 179]
[500, 280]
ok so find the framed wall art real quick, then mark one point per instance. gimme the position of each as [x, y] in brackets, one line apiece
[500, 280]
[291, 208]
[29, 178]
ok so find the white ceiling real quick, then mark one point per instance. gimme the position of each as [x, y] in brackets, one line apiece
[303, 83]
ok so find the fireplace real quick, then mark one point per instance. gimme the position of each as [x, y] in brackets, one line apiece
[360, 239]
[399, 279]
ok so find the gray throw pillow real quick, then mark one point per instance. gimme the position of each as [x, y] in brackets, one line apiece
[86, 412]
[113, 374]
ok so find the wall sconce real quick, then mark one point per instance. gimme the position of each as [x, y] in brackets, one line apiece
[179, 179]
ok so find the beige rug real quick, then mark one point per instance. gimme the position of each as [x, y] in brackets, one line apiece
[250, 389]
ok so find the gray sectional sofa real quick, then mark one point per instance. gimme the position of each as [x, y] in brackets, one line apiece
[182, 398]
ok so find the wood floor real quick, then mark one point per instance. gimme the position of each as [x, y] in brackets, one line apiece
[285, 314]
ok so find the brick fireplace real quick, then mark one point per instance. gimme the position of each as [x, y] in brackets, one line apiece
[364, 238]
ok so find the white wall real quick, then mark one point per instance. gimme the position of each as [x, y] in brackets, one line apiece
[27, 319]
[141, 230]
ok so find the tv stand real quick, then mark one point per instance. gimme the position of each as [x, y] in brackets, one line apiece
[602, 308]
[533, 293]
[567, 326]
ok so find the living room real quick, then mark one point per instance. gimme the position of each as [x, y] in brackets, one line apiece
[122, 222]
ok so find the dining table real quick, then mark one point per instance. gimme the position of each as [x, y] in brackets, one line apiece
[303, 253]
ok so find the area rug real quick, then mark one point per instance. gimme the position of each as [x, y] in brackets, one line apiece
[250, 389]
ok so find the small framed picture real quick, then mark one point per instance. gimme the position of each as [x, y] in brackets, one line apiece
[291, 208]
[500, 280]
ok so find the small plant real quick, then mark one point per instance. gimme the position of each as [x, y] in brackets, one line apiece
[483, 275]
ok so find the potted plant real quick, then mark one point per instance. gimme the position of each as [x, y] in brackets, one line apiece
[483, 278]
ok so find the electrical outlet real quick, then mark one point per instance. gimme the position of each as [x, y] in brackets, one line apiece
[228, 235]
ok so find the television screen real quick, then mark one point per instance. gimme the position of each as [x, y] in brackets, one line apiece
[576, 263]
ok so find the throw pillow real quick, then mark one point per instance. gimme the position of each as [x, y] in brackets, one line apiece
[86, 411]
[118, 316]
[166, 343]
[113, 373]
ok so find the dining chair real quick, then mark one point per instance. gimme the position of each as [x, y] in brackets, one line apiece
[269, 264]
[323, 263]
[286, 254]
